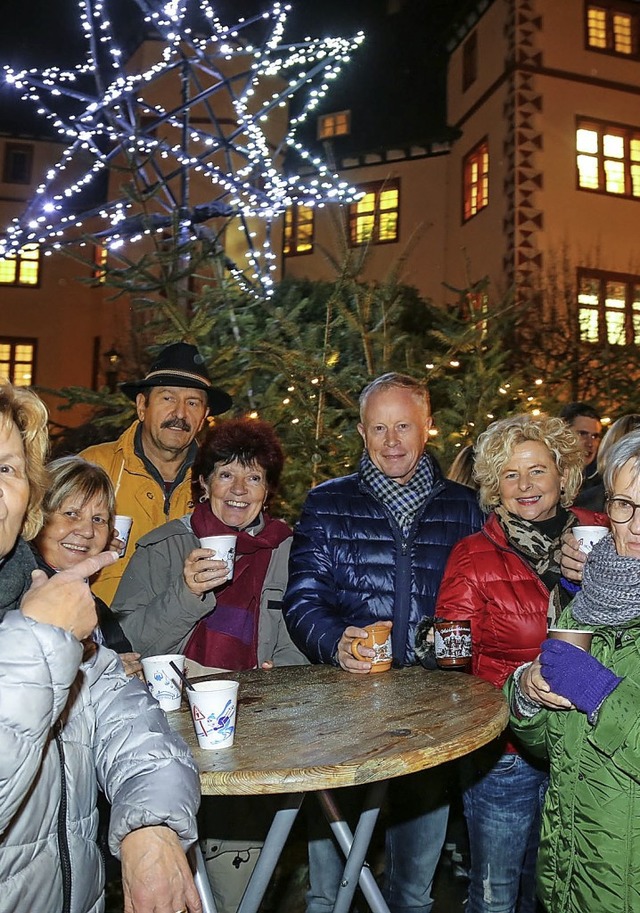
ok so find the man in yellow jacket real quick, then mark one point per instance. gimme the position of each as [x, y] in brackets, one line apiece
[150, 463]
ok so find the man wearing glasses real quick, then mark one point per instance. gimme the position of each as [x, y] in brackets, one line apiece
[586, 423]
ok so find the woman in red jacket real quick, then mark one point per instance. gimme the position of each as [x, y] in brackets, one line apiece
[507, 580]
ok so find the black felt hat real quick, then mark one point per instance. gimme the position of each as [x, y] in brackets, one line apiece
[180, 365]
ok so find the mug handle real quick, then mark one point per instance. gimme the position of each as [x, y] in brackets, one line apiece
[355, 643]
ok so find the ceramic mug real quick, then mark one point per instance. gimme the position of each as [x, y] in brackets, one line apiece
[379, 640]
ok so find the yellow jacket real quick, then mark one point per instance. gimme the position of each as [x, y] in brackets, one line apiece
[138, 495]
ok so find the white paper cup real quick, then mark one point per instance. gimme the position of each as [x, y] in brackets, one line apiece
[587, 536]
[213, 710]
[164, 684]
[123, 526]
[224, 548]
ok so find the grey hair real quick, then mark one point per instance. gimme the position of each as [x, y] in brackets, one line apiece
[627, 448]
[619, 429]
[391, 381]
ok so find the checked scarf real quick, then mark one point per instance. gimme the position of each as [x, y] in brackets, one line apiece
[403, 501]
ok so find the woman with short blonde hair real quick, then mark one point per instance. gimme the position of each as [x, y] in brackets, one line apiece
[507, 580]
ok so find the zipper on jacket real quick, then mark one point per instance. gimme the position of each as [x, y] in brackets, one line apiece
[63, 843]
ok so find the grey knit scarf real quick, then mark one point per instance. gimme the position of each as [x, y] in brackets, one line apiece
[610, 593]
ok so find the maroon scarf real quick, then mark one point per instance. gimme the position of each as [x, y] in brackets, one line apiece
[228, 636]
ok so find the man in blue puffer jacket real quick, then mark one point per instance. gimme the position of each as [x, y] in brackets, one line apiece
[373, 546]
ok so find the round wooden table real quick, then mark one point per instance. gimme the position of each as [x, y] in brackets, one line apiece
[306, 729]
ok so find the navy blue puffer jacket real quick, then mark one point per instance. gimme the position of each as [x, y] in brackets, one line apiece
[350, 564]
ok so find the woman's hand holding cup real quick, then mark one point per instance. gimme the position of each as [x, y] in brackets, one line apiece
[202, 572]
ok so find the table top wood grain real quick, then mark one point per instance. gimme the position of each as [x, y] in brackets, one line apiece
[302, 728]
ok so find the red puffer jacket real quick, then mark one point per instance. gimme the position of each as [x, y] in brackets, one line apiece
[490, 583]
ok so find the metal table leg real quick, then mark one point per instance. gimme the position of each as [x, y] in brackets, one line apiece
[202, 879]
[355, 848]
[270, 853]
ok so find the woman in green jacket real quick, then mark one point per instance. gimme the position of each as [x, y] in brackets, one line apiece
[582, 711]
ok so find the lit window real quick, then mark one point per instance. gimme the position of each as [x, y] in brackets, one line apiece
[18, 161]
[298, 230]
[17, 360]
[22, 268]
[100, 258]
[608, 159]
[336, 124]
[374, 218]
[475, 171]
[612, 27]
[609, 308]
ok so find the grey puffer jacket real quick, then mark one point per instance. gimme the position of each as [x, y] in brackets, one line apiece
[158, 612]
[68, 726]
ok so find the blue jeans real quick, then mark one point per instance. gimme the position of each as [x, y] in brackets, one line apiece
[416, 827]
[502, 807]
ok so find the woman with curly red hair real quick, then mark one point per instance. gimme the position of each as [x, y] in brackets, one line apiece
[175, 597]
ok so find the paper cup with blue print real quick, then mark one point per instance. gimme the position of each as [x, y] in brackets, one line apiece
[123, 526]
[224, 549]
[213, 710]
[587, 536]
[162, 681]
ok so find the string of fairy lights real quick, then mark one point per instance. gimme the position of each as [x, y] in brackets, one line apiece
[235, 77]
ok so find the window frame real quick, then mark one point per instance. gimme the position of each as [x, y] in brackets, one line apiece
[470, 61]
[603, 277]
[11, 147]
[610, 7]
[605, 128]
[12, 342]
[19, 258]
[472, 155]
[325, 119]
[376, 187]
[291, 233]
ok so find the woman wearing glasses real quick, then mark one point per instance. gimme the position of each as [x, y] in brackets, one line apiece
[582, 711]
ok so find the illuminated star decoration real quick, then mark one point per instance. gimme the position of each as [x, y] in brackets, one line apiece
[226, 86]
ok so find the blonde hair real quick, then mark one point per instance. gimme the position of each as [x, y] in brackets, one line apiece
[75, 477]
[22, 409]
[461, 470]
[495, 446]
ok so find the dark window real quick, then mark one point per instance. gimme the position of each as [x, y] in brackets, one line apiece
[18, 360]
[612, 27]
[609, 307]
[18, 161]
[475, 180]
[375, 217]
[608, 158]
[470, 61]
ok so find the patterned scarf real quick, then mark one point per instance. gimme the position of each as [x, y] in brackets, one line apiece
[403, 501]
[610, 587]
[228, 636]
[541, 552]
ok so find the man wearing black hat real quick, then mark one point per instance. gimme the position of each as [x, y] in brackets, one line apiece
[150, 463]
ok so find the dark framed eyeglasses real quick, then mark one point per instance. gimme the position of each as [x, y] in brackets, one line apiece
[620, 510]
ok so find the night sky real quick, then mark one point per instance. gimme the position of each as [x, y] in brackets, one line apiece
[47, 32]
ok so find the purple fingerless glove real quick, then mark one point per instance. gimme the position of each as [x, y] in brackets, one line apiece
[576, 675]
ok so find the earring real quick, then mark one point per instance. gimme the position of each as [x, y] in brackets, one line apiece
[203, 499]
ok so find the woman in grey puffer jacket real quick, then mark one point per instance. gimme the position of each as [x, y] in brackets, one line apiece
[72, 722]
